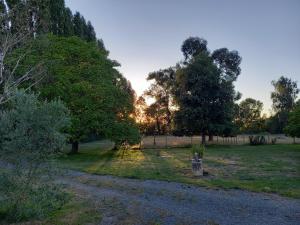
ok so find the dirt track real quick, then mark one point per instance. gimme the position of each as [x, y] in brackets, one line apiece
[130, 201]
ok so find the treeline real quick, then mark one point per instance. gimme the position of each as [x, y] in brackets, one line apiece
[52, 16]
[197, 97]
[250, 119]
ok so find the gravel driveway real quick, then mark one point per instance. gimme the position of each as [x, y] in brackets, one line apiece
[131, 201]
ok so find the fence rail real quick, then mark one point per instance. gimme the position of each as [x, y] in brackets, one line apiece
[167, 141]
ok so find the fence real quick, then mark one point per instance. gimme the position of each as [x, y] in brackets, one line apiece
[165, 141]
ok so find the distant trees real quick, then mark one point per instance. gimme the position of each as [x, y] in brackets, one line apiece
[284, 95]
[284, 100]
[161, 90]
[196, 97]
[249, 117]
[293, 126]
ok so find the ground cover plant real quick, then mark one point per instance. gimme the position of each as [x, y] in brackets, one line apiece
[266, 168]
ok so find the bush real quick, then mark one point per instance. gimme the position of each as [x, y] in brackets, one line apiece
[273, 141]
[30, 136]
[257, 140]
[198, 149]
[25, 202]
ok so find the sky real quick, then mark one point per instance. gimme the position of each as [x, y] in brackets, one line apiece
[146, 35]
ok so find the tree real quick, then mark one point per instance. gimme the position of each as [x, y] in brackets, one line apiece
[90, 34]
[161, 90]
[141, 119]
[57, 12]
[156, 116]
[228, 63]
[79, 25]
[193, 46]
[293, 126]
[100, 99]
[31, 135]
[198, 96]
[283, 97]
[204, 89]
[68, 29]
[249, 116]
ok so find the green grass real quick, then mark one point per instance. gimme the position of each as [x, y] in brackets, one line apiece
[267, 168]
[76, 212]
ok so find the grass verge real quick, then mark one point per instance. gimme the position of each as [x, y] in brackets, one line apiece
[266, 168]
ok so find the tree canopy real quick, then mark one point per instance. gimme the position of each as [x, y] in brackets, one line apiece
[293, 125]
[204, 89]
[284, 99]
[249, 115]
[99, 98]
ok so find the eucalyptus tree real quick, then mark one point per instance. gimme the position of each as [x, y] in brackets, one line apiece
[249, 116]
[284, 99]
[162, 90]
[204, 90]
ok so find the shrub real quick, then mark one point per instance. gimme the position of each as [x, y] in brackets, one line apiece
[273, 141]
[257, 140]
[30, 136]
[199, 149]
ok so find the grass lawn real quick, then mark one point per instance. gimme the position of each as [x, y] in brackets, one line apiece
[268, 168]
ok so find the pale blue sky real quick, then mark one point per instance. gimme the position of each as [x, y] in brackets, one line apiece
[146, 35]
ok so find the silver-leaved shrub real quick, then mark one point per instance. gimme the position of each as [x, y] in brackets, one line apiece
[31, 135]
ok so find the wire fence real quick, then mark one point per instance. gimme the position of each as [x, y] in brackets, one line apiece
[168, 141]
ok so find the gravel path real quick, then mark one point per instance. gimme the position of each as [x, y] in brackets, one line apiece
[130, 201]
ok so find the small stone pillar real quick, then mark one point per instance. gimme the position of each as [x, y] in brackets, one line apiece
[197, 167]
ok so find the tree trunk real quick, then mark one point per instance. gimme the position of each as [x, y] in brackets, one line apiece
[75, 147]
[211, 137]
[203, 139]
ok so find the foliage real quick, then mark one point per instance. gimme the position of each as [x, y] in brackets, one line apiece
[193, 46]
[199, 149]
[284, 95]
[293, 125]
[257, 140]
[143, 121]
[29, 202]
[249, 116]
[30, 136]
[161, 90]
[99, 98]
[204, 91]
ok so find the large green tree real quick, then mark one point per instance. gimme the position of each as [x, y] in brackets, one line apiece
[205, 92]
[99, 97]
